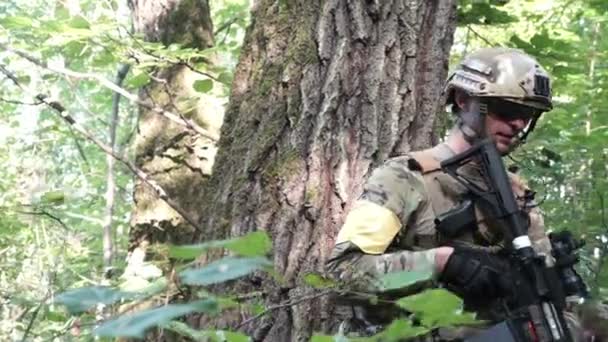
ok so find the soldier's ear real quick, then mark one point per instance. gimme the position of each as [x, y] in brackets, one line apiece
[461, 99]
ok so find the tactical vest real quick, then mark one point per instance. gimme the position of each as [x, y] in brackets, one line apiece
[445, 193]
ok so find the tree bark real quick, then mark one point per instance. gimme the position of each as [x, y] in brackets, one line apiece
[323, 92]
[177, 159]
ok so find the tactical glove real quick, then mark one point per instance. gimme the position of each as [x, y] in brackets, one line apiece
[477, 275]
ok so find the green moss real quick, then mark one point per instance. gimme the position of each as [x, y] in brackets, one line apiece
[298, 20]
[285, 165]
[311, 195]
[270, 75]
[284, 6]
[187, 23]
[302, 49]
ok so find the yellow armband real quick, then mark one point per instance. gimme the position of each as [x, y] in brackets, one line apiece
[370, 226]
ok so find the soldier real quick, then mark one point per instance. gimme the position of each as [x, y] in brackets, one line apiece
[392, 225]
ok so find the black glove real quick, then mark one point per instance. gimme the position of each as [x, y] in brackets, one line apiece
[477, 276]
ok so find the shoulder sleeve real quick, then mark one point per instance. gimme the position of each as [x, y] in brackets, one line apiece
[366, 271]
[389, 197]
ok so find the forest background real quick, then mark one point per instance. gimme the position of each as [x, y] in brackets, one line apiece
[67, 205]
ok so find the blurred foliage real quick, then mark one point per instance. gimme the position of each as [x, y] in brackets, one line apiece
[53, 181]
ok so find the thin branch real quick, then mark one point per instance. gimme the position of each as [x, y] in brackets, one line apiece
[80, 149]
[225, 25]
[47, 214]
[31, 324]
[161, 58]
[81, 102]
[10, 75]
[108, 243]
[160, 192]
[17, 102]
[35, 314]
[177, 118]
[285, 304]
[480, 36]
[164, 59]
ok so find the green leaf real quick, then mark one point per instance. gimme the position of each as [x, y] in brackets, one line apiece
[224, 269]
[483, 13]
[206, 335]
[16, 22]
[203, 86]
[62, 13]
[54, 316]
[257, 308]
[398, 330]
[82, 299]
[225, 78]
[521, 44]
[79, 22]
[318, 281]
[402, 279]
[138, 80]
[322, 338]
[541, 41]
[135, 325]
[53, 197]
[253, 244]
[103, 59]
[437, 307]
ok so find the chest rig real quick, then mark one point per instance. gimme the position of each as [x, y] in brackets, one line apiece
[446, 194]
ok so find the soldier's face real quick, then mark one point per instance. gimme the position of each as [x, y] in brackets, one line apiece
[504, 131]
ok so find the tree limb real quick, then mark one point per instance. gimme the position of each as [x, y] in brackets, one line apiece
[285, 304]
[47, 214]
[160, 192]
[17, 102]
[177, 118]
[31, 323]
[480, 36]
[225, 25]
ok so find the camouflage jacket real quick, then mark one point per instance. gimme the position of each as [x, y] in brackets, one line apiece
[391, 226]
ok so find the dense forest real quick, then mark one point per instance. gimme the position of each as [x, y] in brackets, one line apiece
[178, 169]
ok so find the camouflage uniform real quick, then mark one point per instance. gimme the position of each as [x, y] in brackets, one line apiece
[391, 227]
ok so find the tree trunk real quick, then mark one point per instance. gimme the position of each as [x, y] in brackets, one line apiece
[324, 91]
[176, 158]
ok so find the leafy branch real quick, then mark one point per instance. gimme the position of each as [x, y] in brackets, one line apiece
[177, 118]
[63, 114]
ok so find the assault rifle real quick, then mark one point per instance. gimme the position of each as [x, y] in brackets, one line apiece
[535, 313]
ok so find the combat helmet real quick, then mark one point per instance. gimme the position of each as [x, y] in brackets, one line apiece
[503, 74]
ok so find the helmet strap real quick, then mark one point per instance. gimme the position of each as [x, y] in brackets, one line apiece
[521, 139]
[472, 121]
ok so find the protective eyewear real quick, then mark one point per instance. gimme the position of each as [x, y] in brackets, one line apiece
[510, 111]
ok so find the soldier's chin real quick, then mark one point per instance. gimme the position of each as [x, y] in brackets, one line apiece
[503, 147]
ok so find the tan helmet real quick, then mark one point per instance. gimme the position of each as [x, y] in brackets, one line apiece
[504, 73]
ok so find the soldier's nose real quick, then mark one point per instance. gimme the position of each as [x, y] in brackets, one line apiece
[519, 123]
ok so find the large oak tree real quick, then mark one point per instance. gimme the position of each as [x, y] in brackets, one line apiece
[323, 92]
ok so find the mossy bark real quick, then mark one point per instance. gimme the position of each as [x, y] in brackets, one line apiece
[177, 159]
[324, 91]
